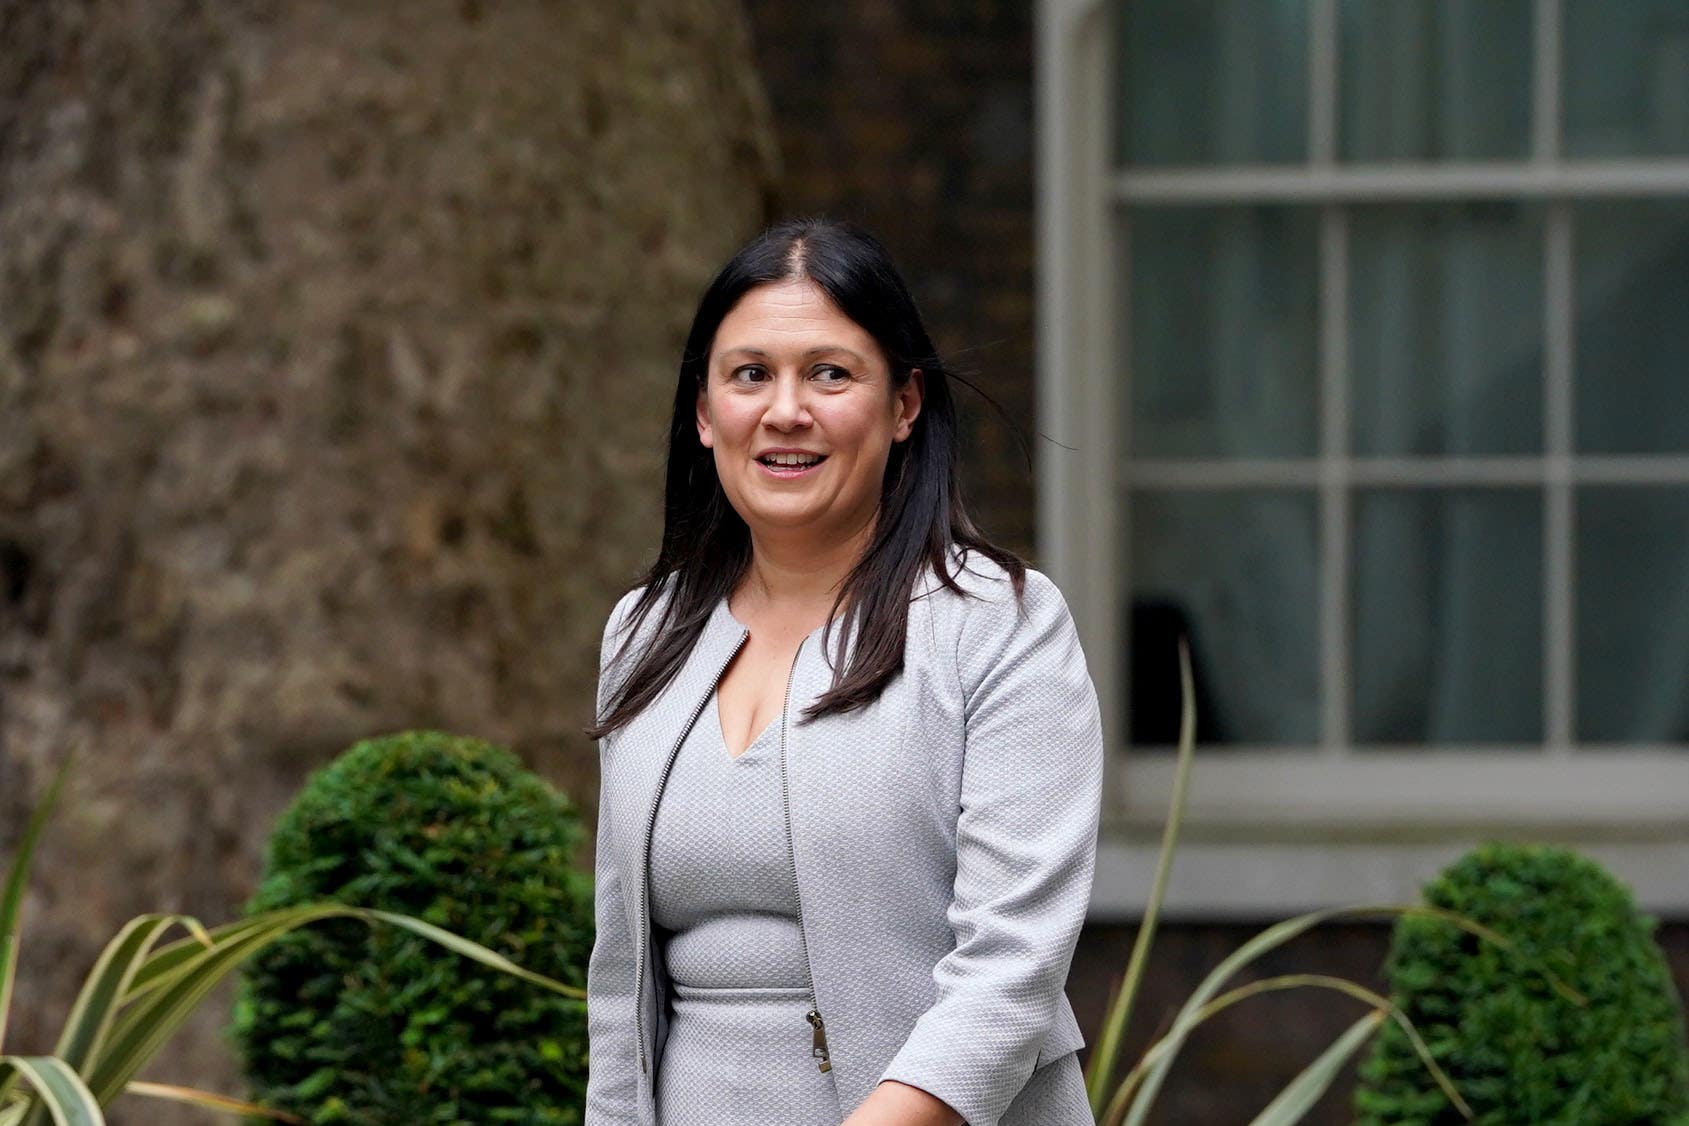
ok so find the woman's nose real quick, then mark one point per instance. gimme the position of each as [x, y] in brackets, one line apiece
[787, 408]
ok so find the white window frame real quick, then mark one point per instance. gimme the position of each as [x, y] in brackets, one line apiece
[1272, 830]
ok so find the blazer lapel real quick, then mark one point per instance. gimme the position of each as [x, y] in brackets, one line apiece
[645, 748]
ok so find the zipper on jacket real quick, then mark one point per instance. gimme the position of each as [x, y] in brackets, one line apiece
[818, 1043]
[645, 856]
[818, 1046]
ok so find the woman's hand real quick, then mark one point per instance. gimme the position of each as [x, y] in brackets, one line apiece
[899, 1104]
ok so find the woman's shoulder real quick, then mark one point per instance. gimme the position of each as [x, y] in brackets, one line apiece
[985, 582]
[984, 627]
[984, 610]
[616, 626]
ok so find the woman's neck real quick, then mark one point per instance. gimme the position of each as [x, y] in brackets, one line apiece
[798, 578]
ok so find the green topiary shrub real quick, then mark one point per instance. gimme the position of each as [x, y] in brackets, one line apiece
[1519, 1051]
[344, 1023]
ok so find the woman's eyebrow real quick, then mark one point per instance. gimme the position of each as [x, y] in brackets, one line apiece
[823, 350]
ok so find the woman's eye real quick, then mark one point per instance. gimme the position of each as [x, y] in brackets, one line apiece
[832, 374]
[748, 370]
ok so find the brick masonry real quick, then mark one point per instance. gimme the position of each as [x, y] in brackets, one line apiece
[915, 119]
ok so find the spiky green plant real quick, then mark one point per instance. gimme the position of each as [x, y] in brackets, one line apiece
[141, 990]
[1129, 1101]
[1522, 1056]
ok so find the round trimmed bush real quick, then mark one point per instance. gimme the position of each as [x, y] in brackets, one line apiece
[343, 1022]
[1520, 1052]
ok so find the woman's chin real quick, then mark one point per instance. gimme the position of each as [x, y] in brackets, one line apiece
[787, 521]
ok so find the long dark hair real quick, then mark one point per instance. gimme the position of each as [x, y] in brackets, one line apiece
[707, 546]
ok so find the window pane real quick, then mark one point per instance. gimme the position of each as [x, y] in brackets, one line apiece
[1238, 573]
[1443, 80]
[1627, 78]
[1633, 327]
[1222, 311]
[1447, 622]
[1445, 337]
[1633, 614]
[1212, 82]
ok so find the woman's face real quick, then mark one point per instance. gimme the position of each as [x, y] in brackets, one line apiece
[789, 371]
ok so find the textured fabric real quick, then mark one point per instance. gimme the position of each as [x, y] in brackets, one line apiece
[944, 838]
[725, 918]
[721, 880]
[1055, 1093]
[740, 1057]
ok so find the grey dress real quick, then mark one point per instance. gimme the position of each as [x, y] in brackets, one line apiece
[725, 915]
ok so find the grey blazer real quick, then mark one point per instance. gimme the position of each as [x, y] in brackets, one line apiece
[944, 839]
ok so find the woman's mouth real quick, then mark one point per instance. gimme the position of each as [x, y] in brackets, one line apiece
[775, 469]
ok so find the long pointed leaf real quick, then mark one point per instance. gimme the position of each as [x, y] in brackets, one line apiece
[96, 1005]
[162, 964]
[18, 873]
[1299, 1097]
[1099, 1070]
[471, 949]
[142, 1027]
[1118, 1103]
[1274, 936]
[1378, 1001]
[59, 1089]
[16, 876]
[210, 1100]
[1171, 1042]
[8, 972]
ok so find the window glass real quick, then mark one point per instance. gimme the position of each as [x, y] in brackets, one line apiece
[1633, 614]
[1215, 82]
[1446, 329]
[1236, 572]
[1447, 616]
[1435, 81]
[1446, 357]
[1222, 328]
[1632, 327]
[1626, 78]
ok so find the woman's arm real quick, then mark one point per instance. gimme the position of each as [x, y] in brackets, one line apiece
[613, 1070]
[1026, 837]
[898, 1104]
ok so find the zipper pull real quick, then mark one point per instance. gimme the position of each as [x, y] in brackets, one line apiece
[819, 1047]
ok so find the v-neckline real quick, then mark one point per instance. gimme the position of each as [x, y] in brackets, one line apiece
[715, 693]
[721, 733]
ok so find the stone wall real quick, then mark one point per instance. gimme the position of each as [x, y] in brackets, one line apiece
[337, 344]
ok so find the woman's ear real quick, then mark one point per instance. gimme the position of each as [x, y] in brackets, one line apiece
[704, 435]
[909, 398]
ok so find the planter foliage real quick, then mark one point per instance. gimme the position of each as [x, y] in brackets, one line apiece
[142, 988]
[1129, 1100]
[1519, 1053]
[348, 1024]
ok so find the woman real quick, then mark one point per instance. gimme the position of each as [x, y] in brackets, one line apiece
[851, 755]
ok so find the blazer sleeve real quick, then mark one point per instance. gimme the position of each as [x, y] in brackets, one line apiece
[1026, 835]
[612, 1089]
